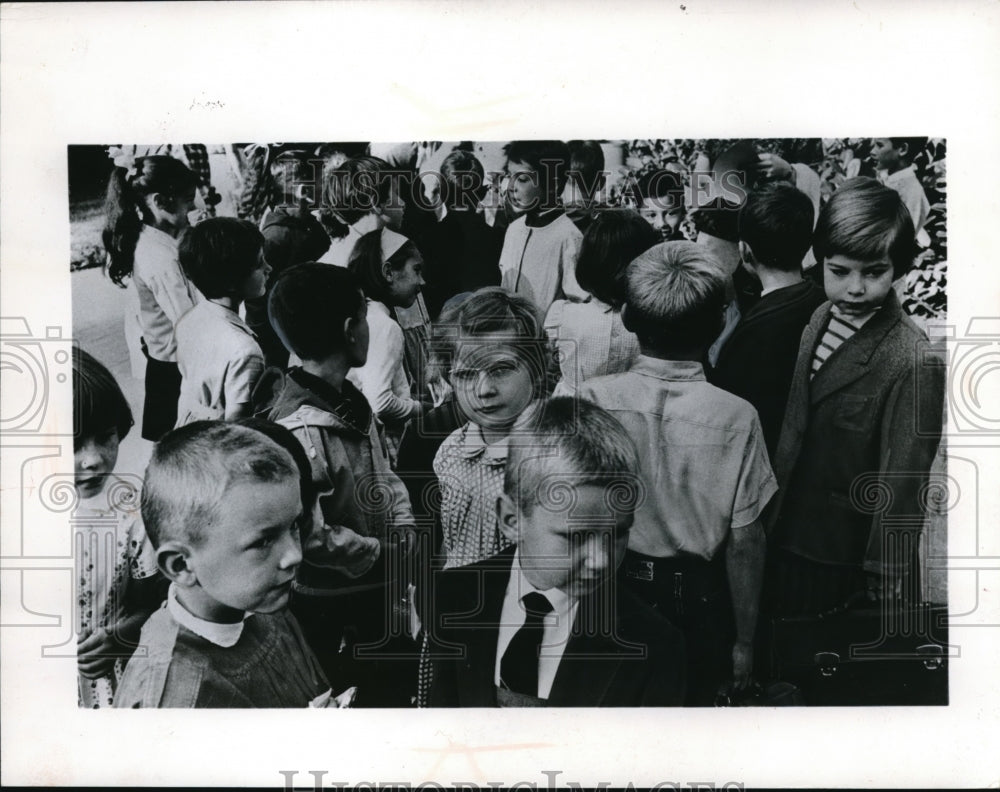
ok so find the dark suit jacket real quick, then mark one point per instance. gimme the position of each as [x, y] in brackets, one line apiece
[857, 442]
[758, 360]
[629, 657]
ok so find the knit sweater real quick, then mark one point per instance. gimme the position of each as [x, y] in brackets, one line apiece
[269, 666]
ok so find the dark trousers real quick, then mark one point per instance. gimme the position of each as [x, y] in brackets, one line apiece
[163, 389]
[693, 594]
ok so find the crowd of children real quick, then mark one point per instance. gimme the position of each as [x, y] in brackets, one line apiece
[428, 440]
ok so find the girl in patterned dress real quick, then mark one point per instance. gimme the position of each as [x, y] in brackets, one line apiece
[116, 577]
[496, 365]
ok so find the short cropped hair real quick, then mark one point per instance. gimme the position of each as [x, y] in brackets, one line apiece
[219, 253]
[358, 187]
[676, 295]
[492, 310]
[571, 442]
[548, 158]
[308, 306]
[586, 166]
[914, 145]
[366, 264]
[194, 466]
[284, 438]
[611, 242]
[777, 223]
[98, 401]
[867, 221]
[462, 178]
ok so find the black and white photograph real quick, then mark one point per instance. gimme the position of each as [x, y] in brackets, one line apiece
[686, 437]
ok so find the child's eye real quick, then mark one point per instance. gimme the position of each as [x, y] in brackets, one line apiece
[501, 369]
[263, 543]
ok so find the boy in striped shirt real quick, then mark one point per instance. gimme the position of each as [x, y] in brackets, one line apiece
[862, 423]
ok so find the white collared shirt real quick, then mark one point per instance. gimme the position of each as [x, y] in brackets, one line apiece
[224, 635]
[556, 626]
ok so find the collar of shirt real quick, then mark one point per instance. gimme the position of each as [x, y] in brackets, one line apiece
[474, 445]
[378, 306]
[557, 625]
[159, 237]
[903, 174]
[230, 316]
[540, 218]
[224, 635]
[853, 319]
[690, 370]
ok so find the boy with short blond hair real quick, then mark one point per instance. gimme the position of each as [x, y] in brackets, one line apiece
[546, 622]
[697, 547]
[222, 505]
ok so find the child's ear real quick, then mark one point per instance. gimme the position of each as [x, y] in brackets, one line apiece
[626, 318]
[747, 257]
[507, 518]
[903, 150]
[172, 560]
[162, 201]
[387, 272]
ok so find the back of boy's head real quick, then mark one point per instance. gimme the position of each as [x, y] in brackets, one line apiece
[284, 438]
[777, 224]
[676, 294]
[586, 166]
[914, 146]
[219, 253]
[866, 221]
[98, 402]
[308, 306]
[463, 180]
[493, 311]
[357, 188]
[549, 159]
[192, 469]
[572, 442]
[611, 242]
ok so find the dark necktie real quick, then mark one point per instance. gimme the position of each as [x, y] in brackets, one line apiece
[519, 666]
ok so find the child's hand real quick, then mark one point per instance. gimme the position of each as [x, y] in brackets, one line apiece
[774, 168]
[742, 664]
[96, 654]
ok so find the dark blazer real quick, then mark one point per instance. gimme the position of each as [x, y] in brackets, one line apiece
[758, 360]
[857, 442]
[631, 656]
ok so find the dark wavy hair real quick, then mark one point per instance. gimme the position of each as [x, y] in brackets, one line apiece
[126, 211]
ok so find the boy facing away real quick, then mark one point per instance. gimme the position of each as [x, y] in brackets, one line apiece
[218, 355]
[347, 584]
[222, 505]
[546, 623]
[757, 360]
[863, 417]
[696, 550]
[540, 248]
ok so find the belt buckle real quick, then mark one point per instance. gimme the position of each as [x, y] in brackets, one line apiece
[641, 570]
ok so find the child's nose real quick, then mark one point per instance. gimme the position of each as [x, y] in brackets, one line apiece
[597, 554]
[89, 455]
[484, 384]
[856, 285]
[291, 555]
